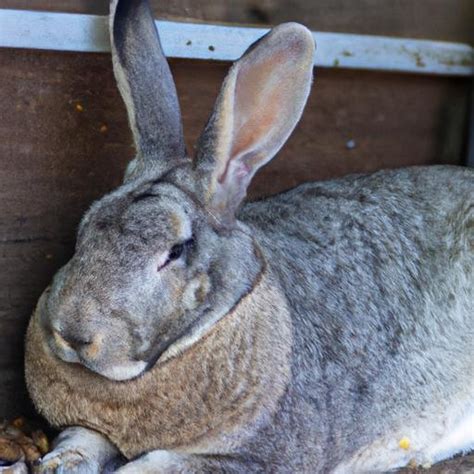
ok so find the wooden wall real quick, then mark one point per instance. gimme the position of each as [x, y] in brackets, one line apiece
[56, 157]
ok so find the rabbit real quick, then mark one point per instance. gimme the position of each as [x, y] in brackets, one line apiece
[325, 329]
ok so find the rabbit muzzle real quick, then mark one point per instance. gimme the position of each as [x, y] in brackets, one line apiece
[73, 348]
[101, 351]
[92, 353]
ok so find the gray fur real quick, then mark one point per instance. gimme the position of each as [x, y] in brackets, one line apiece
[145, 82]
[377, 273]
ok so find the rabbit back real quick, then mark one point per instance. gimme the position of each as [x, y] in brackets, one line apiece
[378, 273]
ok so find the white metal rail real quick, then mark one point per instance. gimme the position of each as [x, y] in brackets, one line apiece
[88, 33]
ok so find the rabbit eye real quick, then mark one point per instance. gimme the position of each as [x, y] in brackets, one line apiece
[177, 251]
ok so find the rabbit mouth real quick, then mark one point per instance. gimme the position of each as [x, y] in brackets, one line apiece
[119, 372]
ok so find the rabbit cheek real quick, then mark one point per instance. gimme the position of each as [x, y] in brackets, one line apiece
[196, 291]
[93, 350]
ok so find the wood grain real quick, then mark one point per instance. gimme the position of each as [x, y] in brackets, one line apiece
[457, 465]
[56, 157]
[448, 20]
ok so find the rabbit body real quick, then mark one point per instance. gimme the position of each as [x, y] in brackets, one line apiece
[309, 332]
[378, 273]
[366, 338]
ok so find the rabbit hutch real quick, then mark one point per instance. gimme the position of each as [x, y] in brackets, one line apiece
[393, 87]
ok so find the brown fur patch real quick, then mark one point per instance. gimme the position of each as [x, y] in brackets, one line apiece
[93, 350]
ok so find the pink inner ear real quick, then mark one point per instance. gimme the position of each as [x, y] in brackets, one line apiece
[263, 98]
[240, 170]
[260, 104]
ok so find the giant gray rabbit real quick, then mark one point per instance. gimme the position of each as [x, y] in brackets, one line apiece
[326, 329]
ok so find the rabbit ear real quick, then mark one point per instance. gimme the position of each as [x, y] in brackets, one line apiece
[260, 103]
[145, 82]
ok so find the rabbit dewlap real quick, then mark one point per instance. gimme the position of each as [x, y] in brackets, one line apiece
[326, 329]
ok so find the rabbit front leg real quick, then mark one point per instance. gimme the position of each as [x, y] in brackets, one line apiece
[77, 450]
[168, 462]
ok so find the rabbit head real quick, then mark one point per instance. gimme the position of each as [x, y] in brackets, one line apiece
[163, 257]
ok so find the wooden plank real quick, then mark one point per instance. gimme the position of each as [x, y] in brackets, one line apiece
[447, 20]
[457, 465]
[56, 158]
[89, 33]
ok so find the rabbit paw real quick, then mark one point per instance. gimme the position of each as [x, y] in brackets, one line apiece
[155, 462]
[65, 461]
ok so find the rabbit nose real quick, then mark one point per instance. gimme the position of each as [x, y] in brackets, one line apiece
[82, 345]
